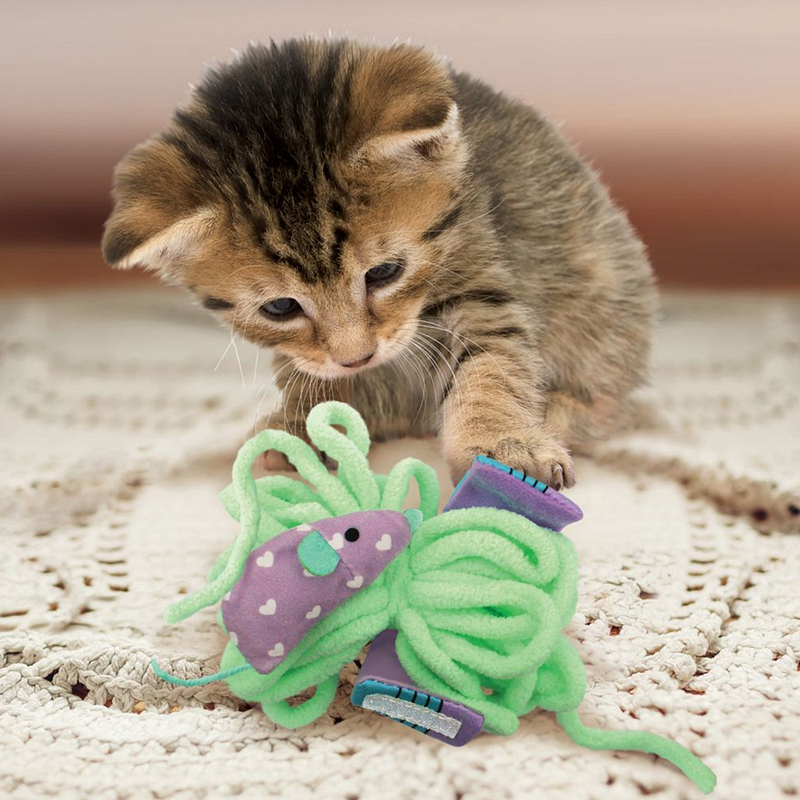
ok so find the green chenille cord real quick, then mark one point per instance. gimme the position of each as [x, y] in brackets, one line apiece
[479, 598]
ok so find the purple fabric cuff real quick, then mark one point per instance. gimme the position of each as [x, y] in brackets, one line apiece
[488, 483]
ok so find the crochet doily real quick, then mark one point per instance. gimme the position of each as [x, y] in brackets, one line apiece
[117, 434]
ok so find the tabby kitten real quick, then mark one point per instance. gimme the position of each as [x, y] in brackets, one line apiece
[407, 240]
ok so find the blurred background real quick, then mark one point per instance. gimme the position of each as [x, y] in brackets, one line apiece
[690, 110]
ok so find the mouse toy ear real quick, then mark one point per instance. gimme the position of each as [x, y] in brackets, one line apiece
[414, 517]
[316, 555]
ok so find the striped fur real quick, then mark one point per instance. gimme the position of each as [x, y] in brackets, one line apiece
[521, 319]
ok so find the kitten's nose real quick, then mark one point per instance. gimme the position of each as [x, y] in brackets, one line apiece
[360, 362]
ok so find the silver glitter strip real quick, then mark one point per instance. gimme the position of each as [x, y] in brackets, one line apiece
[411, 712]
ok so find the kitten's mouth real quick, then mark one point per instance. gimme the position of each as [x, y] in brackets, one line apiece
[331, 370]
[386, 350]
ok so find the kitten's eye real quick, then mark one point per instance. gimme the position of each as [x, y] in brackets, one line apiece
[384, 273]
[282, 307]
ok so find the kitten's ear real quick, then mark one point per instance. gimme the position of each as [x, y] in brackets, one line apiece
[414, 145]
[159, 216]
[403, 107]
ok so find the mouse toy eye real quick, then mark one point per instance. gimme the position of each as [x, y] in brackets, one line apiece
[352, 534]
[384, 273]
[282, 307]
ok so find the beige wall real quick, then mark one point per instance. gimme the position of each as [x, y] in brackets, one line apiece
[117, 68]
[654, 92]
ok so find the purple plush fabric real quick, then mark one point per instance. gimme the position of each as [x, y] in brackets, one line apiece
[277, 601]
[489, 483]
[382, 665]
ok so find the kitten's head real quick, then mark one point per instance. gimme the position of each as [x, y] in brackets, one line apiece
[304, 195]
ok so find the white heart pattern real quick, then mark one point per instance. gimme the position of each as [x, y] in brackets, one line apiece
[266, 560]
[337, 541]
[309, 574]
[304, 527]
[314, 613]
[357, 582]
[276, 651]
[233, 637]
[227, 596]
[268, 609]
[384, 543]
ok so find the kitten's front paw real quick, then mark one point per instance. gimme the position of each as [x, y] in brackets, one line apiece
[275, 460]
[539, 455]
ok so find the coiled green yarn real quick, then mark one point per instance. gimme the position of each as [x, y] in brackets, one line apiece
[479, 598]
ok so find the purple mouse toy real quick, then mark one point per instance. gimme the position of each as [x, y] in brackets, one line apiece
[297, 578]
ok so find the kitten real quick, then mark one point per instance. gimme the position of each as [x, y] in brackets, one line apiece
[407, 239]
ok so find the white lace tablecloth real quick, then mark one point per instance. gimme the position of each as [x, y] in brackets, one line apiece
[117, 432]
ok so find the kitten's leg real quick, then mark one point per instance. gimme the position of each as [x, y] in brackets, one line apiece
[578, 423]
[582, 425]
[495, 406]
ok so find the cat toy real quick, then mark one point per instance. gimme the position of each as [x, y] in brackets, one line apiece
[465, 609]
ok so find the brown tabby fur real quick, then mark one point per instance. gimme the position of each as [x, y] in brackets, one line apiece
[522, 318]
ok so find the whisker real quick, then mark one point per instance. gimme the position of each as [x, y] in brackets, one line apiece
[462, 338]
[238, 359]
[433, 358]
[406, 354]
[434, 362]
[513, 400]
[222, 357]
[455, 381]
[273, 379]
[278, 400]
[230, 275]
[300, 405]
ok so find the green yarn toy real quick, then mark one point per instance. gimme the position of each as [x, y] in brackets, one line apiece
[478, 596]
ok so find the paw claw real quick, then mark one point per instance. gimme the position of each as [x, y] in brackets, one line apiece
[558, 477]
